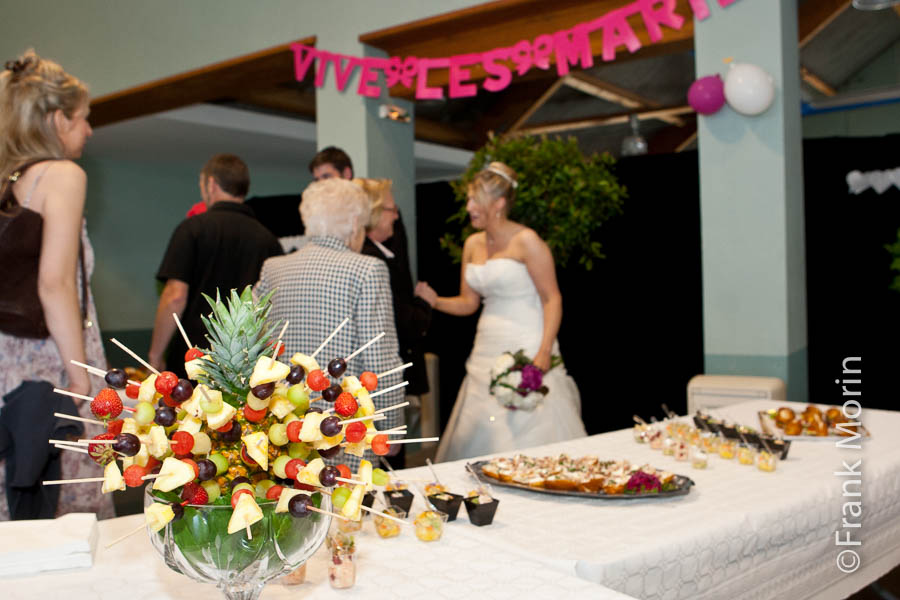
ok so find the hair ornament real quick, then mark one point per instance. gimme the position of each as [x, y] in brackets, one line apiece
[495, 171]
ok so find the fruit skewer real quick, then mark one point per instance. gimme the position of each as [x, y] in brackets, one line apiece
[97, 371]
[83, 397]
[278, 343]
[78, 480]
[389, 389]
[363, 347]
[83, 420]
[73, 448]
[389, 408]
[394, 370]
[184, 335]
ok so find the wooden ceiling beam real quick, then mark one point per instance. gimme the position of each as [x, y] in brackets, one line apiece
[226, 79]
[815, 15]
[816, 82]
[612, 93]
[428, 130]
[475, 29]
[573, 124]
[537, 104]
[281, 99]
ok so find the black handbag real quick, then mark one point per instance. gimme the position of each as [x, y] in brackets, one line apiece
[21, 232]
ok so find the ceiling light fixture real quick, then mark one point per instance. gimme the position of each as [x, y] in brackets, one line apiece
[634, 144]
[874, 4]
[394, 113]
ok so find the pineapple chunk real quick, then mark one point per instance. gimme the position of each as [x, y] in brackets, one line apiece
[310, 432]
[202, 444]
[158, 444]
[256, 403]
[307, 362]
[147, 391]
[351, 384]
[258, 448]
[140, 459]
[173, 474]
[365, 474]
[357, 449]
[157, 515]
[112, 479]
[246, 513]
[192, 405]
[194, 368]
[221, 418]
[310, 473]
[352, 507]
[267, 371]
[190, 424]
[285, 498]
[281, 407]
[328, 442]
[366, 406]
[129, 426]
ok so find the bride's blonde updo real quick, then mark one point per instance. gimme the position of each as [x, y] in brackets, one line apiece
[31, 90]
[497, 180]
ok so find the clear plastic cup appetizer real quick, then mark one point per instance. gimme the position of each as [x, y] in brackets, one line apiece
[430, 525]
[766, 461]
[726, 449]
[341, 568]
[388, 528]
[746, 455]
[699, 459]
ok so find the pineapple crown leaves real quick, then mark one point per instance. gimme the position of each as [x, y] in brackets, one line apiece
[238, 336]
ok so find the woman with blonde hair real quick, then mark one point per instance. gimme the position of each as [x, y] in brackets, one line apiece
[43, 127]
[510, 268]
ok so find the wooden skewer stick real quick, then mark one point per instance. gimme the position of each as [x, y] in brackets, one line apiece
[150, 476]
[390, 389]
[187, 340]
[396, 429]
[133, 355]
[385, 515]
[327, 512]
[373, 418]
[98, 372]
[353, 481]
[394, 370]
[328, 339]
[249, 533]
[96, 441]
[428, 439]
[127, 535]
[72, 394]
[390, 408]
[79, 480]
[433, 472]
[83, 420]
[73, 448]
[68, 442]
[366, 345]
[278, 343]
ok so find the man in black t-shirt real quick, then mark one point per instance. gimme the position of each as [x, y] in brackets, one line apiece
[223, 248]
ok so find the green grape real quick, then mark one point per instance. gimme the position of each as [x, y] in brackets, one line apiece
[298, 450]
[212, 488]
[243, 486]
[262, 487]
[299, 397]
[211, 405]
[339, 496]
[221, 462]
[380, 477]
[278, 434]
[202, 444]
[278, 465]
[144, 413]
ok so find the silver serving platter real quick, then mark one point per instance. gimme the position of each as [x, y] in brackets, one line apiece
[682, 487]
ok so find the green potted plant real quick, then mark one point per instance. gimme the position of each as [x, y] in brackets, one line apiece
[563, 195]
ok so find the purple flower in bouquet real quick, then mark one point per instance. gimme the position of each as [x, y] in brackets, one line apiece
[532, 377]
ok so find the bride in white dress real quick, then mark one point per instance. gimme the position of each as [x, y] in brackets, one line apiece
[512, 269]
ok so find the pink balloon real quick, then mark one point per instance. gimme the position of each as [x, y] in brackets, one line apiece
[707, 94]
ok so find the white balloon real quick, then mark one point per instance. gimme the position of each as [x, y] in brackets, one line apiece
[749, 89]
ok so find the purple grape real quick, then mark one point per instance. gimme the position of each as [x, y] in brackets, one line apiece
[233, 434]
[329, 452]
[328, 475]
[299, 506]
[116, 378]
[178, 510]
[296, 375]
[331, 393]
[165, 416]
[237, 480]
[337, 367]
[207, 469]
[127, 444]
[263, 390]
[182, 391]
[330, 426]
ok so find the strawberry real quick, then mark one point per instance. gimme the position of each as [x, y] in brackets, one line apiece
[346, 473]
[345, 405]
[272, 343]
[355, 432]
[115, 427]
[181, 442]
[293, 466]
[274, 492]
[193, 354]
[226, 427]
[132, 391]
[133, 475]
[254, 416]
[293, 430]
[103, 454]
[246, 457]
[380, 444]
[194, 493]
[237, 495]
[107, 404]
[168, 401]
[317, 381]
[369, 380]
[165, 382]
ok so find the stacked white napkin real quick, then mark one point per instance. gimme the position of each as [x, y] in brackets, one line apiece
[31, 547]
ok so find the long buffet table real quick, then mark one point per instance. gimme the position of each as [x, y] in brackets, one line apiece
[740, 533]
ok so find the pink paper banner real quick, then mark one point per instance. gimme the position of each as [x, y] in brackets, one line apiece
[567, 48]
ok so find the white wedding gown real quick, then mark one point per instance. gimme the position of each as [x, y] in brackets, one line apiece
[512, 319]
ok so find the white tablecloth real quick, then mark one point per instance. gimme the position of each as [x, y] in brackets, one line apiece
[740, 533]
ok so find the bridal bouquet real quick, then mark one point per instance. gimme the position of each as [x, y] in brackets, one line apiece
[516, 383]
